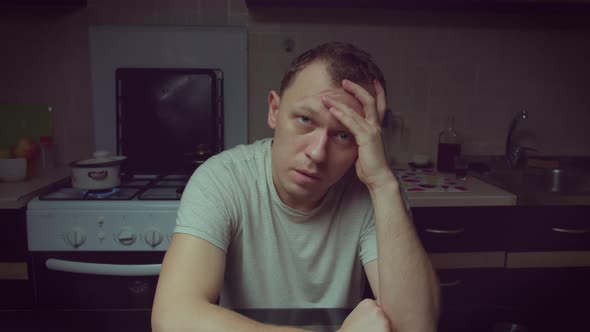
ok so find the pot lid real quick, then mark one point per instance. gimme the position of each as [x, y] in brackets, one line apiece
[101, 159]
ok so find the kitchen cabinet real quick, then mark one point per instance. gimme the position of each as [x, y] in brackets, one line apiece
[549, 228]
[449, 5]
[471, 287]
[465, 229]
[550, 299]
[44, 3]
[14, 284]
[13, 245]
[470, 297]
[542, 282]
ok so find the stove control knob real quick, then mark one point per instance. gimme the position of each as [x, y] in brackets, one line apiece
[76, 237]
[153, 237]
[126, 236]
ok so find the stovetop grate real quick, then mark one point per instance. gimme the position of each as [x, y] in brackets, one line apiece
[138, 186]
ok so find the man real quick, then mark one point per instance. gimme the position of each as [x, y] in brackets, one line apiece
[286, 223]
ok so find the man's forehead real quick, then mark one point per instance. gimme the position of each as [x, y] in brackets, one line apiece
[315, 104]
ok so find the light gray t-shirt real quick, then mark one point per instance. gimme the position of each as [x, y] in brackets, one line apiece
[278, 257]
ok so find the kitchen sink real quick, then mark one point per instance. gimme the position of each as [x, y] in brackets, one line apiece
[564, 185]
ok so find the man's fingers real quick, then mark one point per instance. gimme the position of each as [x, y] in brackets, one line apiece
[347, 116]
[348, 112]
[381, 101]
[365, 98]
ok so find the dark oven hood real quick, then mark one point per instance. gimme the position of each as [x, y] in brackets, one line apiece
[169, 120]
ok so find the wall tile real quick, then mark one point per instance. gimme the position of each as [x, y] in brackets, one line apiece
[435, 64]
[213, 12]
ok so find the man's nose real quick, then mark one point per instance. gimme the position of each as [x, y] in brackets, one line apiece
[317, 149]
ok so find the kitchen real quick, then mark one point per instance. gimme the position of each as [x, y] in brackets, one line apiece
[481, 67]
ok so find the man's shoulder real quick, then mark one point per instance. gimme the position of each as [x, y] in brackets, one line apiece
[242, 159]
[243, 152]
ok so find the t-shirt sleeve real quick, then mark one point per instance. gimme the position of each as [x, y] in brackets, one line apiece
[368, 242]
[207, 205]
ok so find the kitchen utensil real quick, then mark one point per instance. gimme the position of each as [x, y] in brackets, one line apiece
[100, 173]
[13, 169]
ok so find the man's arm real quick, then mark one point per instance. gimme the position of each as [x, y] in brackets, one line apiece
[405, 282]
[188, 288]
[402, 277]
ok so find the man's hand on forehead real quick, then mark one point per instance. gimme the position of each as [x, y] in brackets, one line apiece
[371, 165]
[360, 92]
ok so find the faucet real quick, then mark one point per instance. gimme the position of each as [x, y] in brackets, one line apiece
[514, 152]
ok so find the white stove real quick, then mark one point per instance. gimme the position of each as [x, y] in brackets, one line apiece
[96, 255]
[139, 215]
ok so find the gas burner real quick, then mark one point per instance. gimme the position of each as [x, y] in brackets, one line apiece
[100, 194]
[133, 186]
[160, 193]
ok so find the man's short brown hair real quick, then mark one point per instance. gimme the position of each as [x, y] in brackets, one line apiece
[344, 61]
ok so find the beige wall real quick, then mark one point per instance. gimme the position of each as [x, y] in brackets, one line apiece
[482, 68]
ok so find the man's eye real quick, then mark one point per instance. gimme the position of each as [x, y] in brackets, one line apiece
[344, 137]
[303, 120]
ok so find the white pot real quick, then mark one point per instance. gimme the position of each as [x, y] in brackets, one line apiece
[98, 173]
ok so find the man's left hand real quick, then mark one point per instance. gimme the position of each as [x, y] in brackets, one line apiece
[371, 164]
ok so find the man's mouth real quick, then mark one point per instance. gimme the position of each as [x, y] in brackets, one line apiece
[308, 176]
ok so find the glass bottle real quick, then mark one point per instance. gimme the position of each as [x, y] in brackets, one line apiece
[449, 146]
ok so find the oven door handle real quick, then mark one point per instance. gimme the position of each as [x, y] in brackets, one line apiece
[103, 269]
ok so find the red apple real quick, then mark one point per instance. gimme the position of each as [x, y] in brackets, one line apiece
[26, 148]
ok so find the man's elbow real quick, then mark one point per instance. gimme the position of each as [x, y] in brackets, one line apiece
[162, 322]
[171, 320]
[175, 317]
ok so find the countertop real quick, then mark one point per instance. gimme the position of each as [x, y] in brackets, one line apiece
[13, 271]
[480, 193]
[15, 195]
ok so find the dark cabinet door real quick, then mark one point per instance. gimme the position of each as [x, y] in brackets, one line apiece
[471, 299]
[15, 294]
[452, 229]
[551, 299]
[13, 247]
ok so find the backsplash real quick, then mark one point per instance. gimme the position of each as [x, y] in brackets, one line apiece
[470, 65]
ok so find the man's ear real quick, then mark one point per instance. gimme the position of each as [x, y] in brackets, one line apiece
[273, 108]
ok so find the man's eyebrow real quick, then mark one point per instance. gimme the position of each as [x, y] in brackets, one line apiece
[306, 108]
[338, 127]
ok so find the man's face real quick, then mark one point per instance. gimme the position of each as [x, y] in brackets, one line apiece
[311, 149]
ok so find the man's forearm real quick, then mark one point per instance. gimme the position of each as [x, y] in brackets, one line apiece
[408, 286]
[211, 318]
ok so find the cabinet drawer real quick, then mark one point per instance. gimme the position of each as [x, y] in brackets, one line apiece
[462, 229]
[461, 287]
[550, 228]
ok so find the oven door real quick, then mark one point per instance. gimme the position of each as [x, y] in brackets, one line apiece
[95, 291]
